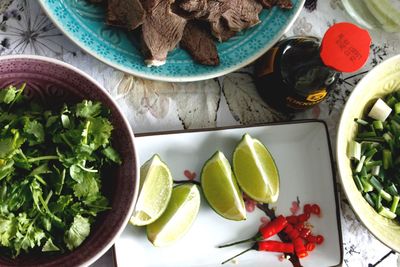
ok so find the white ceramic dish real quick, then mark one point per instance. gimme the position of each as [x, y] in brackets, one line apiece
[381, 81]
[303, 156]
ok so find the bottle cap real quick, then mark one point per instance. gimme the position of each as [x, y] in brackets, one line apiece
[345, 47]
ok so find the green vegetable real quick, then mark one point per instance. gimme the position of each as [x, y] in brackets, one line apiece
[51, 165]
[376, 168]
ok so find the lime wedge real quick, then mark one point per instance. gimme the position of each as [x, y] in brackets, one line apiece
[221, 189]
[177, 219]
[255, 170]
[154, 192]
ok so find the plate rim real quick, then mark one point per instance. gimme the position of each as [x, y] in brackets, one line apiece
[156, 77]
[293, 122]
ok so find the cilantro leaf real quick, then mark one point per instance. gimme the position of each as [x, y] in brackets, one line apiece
[8, 95]
[100, 132]
[49, 246]
[6, 168]
[87, 109]
[88, 186]
[8, 229]
[35, 131]
[77, 233]
[112, 154]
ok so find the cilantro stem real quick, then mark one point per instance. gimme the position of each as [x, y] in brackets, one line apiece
[42, 158]
[86, 169]
[40, 179]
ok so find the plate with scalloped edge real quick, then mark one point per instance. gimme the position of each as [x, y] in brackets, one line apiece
[84, 24]
[303, 156]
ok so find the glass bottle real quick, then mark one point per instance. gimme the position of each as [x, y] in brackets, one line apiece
[299, 72]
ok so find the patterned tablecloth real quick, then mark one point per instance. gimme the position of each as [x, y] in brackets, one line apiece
[229, 100]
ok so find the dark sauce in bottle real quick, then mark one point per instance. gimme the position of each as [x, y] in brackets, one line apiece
[292, 76]
[299, 72]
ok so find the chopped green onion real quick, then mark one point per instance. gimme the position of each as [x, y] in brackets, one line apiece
[354, 150]
[366, 134]
[385, 195]
[368, 198]
[378, 187]
[385, 212]
[387, 158]
[358, 183]
[388, 137]
[371, 164]
[361, 122]
[378, 125]
[371, 152]
[363, 172]
[396, 118]
[378, 202]
[392, 190]
[366, 185]
[375, 170]
[395, 203]
[391, 101]
[360, 164]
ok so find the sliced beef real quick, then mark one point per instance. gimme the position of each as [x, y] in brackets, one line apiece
[161, 31]
[125, 13]
[198, 41]
[285, 4]
[226, 17]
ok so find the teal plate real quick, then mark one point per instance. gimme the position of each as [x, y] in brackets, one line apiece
[84, 24]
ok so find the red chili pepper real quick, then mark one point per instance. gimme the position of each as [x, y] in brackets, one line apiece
[299, 248]
[275, 246]
[310, 246]
[316, 209]
[293, 234]
[307, 208]
[273, 227]
[319, 239]
[299, 226]
[304, 217]
[311, 238]
[293, 219]
[305, 233]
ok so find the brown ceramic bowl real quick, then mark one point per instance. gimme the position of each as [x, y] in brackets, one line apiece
[52, 82]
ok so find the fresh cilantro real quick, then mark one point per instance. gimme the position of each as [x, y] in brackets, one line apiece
[77, 233]
[7, 95]
[88, 109]
[51, 165]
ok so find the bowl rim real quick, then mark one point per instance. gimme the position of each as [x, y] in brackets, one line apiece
[126, 123]
[339, 139]
[162, 78]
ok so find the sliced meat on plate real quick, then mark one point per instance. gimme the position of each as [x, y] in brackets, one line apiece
[198, 41]
[125, 13]
[161, 32]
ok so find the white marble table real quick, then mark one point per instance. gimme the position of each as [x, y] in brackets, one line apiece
[230, 100]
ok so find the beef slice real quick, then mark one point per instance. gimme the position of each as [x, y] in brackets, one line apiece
[198, 41]
[125, 13]
[161, 32]
[226, 17]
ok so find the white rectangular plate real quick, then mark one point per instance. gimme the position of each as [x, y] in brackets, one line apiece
[303, 156]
